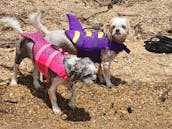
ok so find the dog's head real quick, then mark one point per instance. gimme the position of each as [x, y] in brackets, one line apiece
[117, 29]
[82, 69]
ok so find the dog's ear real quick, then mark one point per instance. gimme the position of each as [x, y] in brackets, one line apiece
[107, 31]
[127, 25]
[75, 70]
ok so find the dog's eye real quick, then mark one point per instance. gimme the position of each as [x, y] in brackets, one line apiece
[124, 27]
[113, 27]
[88, 75]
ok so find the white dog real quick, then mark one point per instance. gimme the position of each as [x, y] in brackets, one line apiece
[105, 45]
[59, 68]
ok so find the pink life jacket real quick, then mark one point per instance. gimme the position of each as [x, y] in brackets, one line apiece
[46, 57]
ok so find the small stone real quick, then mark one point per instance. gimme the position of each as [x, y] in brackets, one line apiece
[112, 105]
[129, 109]
[164, 96]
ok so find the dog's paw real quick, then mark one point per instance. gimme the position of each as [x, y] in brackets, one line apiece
[37, 85]
[72, 105]
[57, 111]
[101, 80]
[13, 83]
[110, 85]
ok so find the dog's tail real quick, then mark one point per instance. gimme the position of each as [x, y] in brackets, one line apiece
[35, 20]
[12, 22]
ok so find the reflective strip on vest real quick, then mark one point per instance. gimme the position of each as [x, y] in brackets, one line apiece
[100, 35]
[76, 36]
[51, 58]
[88, 33]
[41, 50]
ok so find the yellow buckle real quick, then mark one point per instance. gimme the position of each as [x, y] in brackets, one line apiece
[88, 33]
[100, 35]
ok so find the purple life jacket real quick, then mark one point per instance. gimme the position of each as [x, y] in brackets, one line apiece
[46, 57]
[90, 44]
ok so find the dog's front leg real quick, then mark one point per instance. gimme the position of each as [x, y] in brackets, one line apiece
[106, 58]
[100, 75]
[52, 95]
[35, 75]
[106, 73]
[72, 100]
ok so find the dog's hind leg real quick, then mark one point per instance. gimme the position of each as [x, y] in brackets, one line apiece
[14, 76]
[18, 60]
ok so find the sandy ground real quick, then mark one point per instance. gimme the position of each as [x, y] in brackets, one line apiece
[143, 78]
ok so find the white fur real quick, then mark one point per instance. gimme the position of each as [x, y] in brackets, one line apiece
[119, 23]
[13, 23]
[73, 60]
[35, 19]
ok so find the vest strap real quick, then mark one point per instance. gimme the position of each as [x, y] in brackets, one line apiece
[51, 58]
[41, 50]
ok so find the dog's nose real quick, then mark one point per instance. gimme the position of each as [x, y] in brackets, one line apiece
[117, 31]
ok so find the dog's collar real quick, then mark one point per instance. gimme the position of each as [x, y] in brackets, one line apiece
[117, 47]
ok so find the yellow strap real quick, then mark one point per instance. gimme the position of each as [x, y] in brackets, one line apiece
[100, 35]
[89, 33]
[76, 36]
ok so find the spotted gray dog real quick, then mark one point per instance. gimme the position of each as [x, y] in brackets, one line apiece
[105, 45]
[72, 67]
